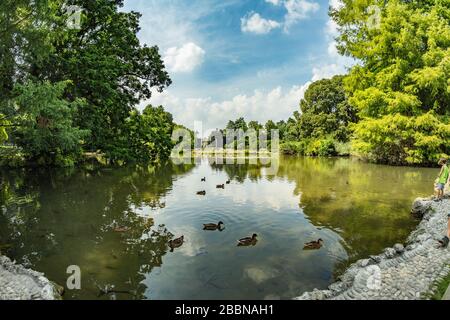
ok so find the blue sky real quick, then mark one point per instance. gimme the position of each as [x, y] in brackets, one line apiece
[232, 58]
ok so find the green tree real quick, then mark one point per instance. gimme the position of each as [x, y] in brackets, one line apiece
[108, 67]
[147, 137]
[325, 111]
[45, 129]
[400, 87]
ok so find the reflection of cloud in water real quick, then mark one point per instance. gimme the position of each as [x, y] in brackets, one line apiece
[274, 194]
[260, 275]
[193, 244]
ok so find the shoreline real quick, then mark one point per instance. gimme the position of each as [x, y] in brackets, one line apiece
[20, 283]
[402, 272]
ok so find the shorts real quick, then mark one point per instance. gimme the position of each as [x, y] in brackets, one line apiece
[440, 186]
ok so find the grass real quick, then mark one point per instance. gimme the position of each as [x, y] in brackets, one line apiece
[441, 288]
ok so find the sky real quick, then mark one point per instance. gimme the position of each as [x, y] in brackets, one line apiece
[238, 58]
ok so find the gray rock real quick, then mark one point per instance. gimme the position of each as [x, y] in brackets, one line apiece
[399, 248]
[390, 253]
[420, 207]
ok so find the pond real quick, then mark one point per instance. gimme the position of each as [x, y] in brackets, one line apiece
[51, 219]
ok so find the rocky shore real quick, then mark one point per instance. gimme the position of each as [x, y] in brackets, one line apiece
[403, 272]
[19, 283]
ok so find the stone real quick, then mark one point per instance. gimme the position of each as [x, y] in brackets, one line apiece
[420, 207]
[399, 248]
[400, 273]
[390, 253]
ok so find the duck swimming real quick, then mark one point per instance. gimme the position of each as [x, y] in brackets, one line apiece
[201, 193]
[213, 226]
[121, 229]
[247, 241]
[313, 245]
[228, 182]
[176, 243]
[204, 179]
[220, 186]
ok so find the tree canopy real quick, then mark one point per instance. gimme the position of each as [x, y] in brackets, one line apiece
[401, 86]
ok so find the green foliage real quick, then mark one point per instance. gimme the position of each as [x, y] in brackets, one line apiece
[310, 147]
[320, 147]
[401, 88]
[147, 137]
[45, 129]
[102, 64]
[3, 124]
[325, 111]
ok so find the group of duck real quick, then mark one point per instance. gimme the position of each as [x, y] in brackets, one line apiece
[219, 186]
[243, 242]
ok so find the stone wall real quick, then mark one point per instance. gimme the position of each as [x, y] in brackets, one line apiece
[19, 283]
[403, 272]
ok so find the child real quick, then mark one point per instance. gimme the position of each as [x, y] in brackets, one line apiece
[442, 179]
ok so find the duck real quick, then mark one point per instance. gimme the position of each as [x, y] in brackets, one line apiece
[213, 226]
[247, 241]
[220, 186]
[121, 229]
[228, 182]
[201, 193]
[176, 243]
[204, 179]
[313, 245]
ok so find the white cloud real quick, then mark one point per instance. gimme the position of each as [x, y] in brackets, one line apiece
[254, 23]
[336, 4]
[276, 104]
[327, 71]
[298, 10]
[185, 58]
[334, 63]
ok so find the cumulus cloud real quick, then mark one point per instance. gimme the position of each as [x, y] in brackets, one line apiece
[254, 23]
[276, 104]
[298, 10]
[185, 58]
[336, 4]
[334, 63]
[327, 71]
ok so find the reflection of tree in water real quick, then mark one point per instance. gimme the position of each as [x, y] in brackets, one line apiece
[71, 217]
[240, 171]
[367, 205]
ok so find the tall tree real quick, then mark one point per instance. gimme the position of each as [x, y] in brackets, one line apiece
[325, 110]
[400, 87]
[107, 65]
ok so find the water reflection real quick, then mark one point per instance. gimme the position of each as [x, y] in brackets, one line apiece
[116, 224]
[57, 218]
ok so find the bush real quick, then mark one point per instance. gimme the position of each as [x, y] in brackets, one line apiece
[321, 148]
[292, 147]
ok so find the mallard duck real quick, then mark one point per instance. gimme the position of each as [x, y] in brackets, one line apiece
[247, 241]
[220, 186]
[121, 229]
[204, 179]
[213, 226]
[176, 243]
[201, 193]
[228, 182]
[313, 245]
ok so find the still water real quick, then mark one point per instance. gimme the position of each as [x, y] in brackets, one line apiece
[51, 219]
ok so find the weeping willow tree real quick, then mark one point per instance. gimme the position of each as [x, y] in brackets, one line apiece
[400, 86]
